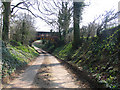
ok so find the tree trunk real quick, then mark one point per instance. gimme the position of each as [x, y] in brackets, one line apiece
[23, 33]
[6, 21]
[76, 18]
[1, 24]
[60, 37]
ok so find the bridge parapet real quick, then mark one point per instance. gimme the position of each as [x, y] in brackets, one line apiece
[53, 36]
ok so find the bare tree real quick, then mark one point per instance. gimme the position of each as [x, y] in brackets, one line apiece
[7, 10]
[55, 13]
[105, 20]
[23, 29]
[64, 20]
[48, 11]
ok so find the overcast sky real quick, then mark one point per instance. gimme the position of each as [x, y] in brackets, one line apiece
[96, 8]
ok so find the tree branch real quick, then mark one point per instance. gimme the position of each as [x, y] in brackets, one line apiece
[27, 10]
[16, 6]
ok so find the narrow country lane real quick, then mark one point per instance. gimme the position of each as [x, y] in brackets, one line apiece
[26, 79]
[46, 72]
[53, 75]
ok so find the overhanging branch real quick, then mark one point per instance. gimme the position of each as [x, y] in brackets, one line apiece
[16, 6]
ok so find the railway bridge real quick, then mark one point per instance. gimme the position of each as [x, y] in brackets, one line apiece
[52, 36]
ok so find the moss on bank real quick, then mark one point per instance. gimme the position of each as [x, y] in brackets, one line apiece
[98, 56]
[14, 57]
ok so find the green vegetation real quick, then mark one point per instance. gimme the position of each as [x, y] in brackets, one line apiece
[15, 57]
[97, 56]
[64, 52]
